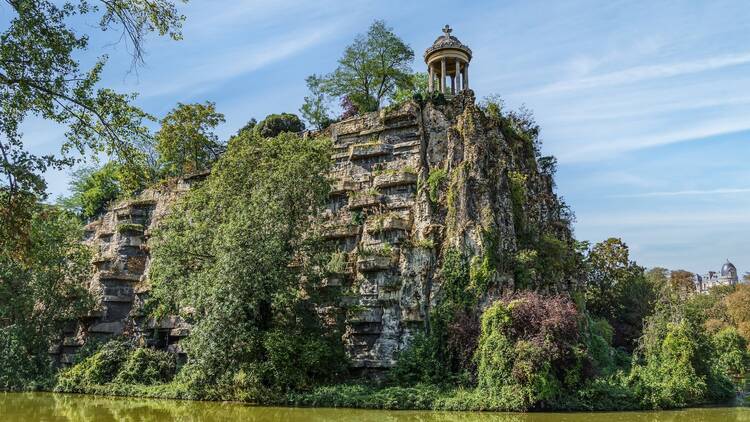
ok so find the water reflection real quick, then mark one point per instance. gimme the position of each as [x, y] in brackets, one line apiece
[79, 408]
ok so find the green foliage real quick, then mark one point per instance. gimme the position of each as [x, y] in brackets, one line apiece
[275, 124]
[41, 288]
[492, 105]
[337, 264]
[364, 396]
[130, 228]
[116, 365]
[315, 107]
[421, 362]
[675, 365]
[92, 190]
[435, 182]
[260, 215]
[731, 354]
[147, 366]
[40, 75]
[618, 290]
[100, 368]
[415, 86]
[358, 218]
[23, 363]
[370, 69]
[529, 352]
[186, 142]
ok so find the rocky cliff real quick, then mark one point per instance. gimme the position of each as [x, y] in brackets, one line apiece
[408, 184]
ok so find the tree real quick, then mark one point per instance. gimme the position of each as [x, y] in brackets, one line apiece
[39, 292]
[254, 329]
[250, 125]
[40, 75]
[186, 142]
[370, 69]
[416, 84]
[609, 266]
[275, 124]
[92, 189]
[682, 282]
[315, 108]
[618, 291]
[738, 309]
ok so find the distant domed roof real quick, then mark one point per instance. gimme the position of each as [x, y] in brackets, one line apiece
[446, 41]
[728, 269]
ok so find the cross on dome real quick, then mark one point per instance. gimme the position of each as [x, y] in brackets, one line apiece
[447, 30]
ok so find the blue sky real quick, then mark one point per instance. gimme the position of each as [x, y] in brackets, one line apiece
[645, 104]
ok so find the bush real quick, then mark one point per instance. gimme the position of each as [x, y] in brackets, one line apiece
[731, 357]
[94, 189]
[435, 182]
[147, 366]
[527, 343]
[100, 368]
[275, 124]
[420, 362]
[23, 360]
[364, 396]
[677, 369]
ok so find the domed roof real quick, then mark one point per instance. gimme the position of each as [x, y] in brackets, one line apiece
[447, 41]
[728, 269]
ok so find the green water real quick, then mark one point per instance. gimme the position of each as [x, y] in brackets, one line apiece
[78, 408]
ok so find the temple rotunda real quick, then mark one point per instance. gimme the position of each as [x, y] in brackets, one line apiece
[448, 58]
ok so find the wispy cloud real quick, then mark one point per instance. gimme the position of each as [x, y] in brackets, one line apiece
[690, 192]
[238, 61]
[616, 220]
[593, 150]
[644, 72]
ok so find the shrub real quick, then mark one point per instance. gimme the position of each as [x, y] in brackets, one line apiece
[527, 342]
[420, 362]
[669, 379]
[730, 350]
[98, 369]
[275, 124]
[435, 182]
[93, 189]
[23, 363]
[147, 366]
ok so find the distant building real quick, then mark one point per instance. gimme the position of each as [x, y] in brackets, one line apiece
[727, 277]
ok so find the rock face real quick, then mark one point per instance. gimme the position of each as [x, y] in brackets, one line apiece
[119, 240]
[407, 185]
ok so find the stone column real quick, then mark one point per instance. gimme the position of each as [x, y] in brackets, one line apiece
[432, 79]
[442, 75]
[466, 76]
[453, 84]
[458, 76]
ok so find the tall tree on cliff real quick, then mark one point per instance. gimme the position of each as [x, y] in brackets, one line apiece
[186, 142]
[370, 70]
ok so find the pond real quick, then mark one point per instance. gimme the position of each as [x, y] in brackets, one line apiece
[50, 407]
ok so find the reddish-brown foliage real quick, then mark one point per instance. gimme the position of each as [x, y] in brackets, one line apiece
[550, 322]
[463, 337]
